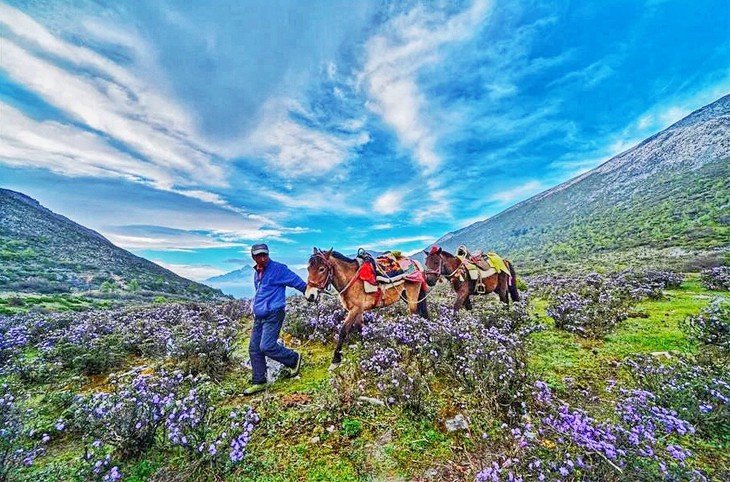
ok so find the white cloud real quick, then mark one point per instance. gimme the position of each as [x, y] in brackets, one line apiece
[68, 151]
[110, 100]
[436, 205]
[191, 271]
[406, 45]
[322, 198]
[389, 202]
[295, 150]
[517, 192]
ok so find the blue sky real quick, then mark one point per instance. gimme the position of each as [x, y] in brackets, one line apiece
[185, 131]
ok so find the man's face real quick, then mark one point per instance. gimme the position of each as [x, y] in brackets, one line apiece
[261, 259]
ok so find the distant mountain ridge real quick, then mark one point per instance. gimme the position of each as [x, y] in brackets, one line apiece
[42, 251]
[667, 196]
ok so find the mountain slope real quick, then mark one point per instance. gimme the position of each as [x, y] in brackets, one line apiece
[668, 196]
[41, 251]
[238, 283]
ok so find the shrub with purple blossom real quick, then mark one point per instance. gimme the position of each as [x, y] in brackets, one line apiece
[557, 442]
[592, 309]
[647, 283]
[199, 337]
[717, 278]
[711, 327]
[696, 388]
[96, 463]
[318, 322]
[18, 446]
[129, 415]
[217, 438]
[14, 336]
[166, 408]
[401, 359]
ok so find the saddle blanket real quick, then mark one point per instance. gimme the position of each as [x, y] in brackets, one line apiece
[394, 273]
[476, 273]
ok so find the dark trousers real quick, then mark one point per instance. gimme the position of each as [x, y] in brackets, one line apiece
[263, 344]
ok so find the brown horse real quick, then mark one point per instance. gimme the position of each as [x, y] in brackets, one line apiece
[332, 268]
[442, 263]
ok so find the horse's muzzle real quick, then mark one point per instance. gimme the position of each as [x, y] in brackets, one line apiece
[311, 294]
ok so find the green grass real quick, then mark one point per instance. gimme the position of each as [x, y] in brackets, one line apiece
[555, 354]
[18, 303]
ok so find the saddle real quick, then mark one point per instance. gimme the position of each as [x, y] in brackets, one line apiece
[383, 270]
[479, 265]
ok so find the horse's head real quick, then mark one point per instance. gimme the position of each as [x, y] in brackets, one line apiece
[434, 265]
[320, 273]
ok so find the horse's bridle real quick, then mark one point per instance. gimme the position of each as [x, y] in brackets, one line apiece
[440, 271]
[330, 274]
[328, 281]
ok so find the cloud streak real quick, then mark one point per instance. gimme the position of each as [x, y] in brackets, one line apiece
[395, 56]
[108, 101]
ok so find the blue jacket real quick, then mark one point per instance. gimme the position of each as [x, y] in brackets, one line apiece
[271, 287]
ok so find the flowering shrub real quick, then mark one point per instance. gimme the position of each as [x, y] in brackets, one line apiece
[699, 391]
[711, 326]
[632, 283]
[319, 321]
[200, 337]
[14, 337]
[648, 283]
[399, 359]
[96, 463]
[193, 425]
[561, 443]
[717, 278]
[17, 445]
[130, 418]
[593, 309]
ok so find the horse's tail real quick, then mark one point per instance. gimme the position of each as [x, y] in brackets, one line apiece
[514, 294]
[422, 306]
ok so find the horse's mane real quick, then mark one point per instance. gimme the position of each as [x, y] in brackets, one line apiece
[447, 254]
[342, 257]
[337, 255]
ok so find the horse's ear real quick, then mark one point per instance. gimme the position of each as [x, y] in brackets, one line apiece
[439, 251]
[329, 253]
[425, 251]
[314, 250]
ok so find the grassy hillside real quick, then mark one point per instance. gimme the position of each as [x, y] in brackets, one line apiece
[684, 220]
[319, 427]
[44, 253]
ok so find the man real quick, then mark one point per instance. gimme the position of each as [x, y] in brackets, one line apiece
[270, 280]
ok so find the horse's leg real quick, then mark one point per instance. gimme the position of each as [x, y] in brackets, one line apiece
[462, 294]
[411, 292]
[467, 303]
[352, 317]
[422, 306]
[513, 284]
[502, 282]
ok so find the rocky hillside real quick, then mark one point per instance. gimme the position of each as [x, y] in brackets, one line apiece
[664, 202]
[44, 252]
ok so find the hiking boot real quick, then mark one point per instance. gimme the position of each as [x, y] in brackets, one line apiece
[254, 389]
[298, 367]
[292, 372]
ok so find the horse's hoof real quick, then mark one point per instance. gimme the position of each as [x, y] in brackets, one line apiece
[333, 366]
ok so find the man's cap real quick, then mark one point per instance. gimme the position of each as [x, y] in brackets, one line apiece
[259, 249]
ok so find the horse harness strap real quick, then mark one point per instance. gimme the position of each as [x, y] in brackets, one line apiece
[330, 278]
[441, 269]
